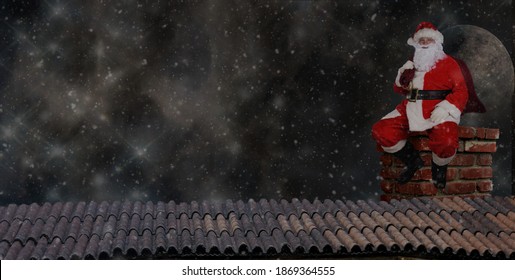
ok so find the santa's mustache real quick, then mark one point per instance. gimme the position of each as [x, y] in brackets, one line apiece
[426, 56]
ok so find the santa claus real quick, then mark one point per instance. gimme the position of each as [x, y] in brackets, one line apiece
[437, 92]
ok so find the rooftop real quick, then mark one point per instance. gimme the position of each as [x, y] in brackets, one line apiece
[449, 227]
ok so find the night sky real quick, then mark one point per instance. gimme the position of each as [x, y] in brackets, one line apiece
[198, 100]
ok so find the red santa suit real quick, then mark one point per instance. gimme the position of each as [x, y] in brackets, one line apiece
[392, 130]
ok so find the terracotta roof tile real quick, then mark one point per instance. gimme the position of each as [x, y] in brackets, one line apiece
[500, 221]
[414, 243]
[172, 241]
[349, 244]
[398, 238]
[507, 221]
[60, 229]
[3, 210]
[360, 239]
[36, 230]
[276, 208]
[374, 240]
[507, 239]
[420, 206]
[496, 205]
[335, 206]
[265, 206]
[307, 242]
[92, 247]
[447, 244]
[160, 240]
[65, 250]
[27, 250]
[423, 237]
[481, 248]
[55, 211]
[113, 210]
[39, 250]
[91, 209]
[205, 242]
[479, 227]
[20, 212]
[126, 207]
[52, 249]
[308, 223]
[145, 243]
[184, 223]
[492, 248]
[105, 245]
[218, 208]
[254, 243]
[316, 207]
[80, 209]
[48, 227]
[195, 208]
[14, 251]
[102, 210]
[288, 209]
[463, 243]
[171, 223]
[356, 221]
[385, 239]
[23, 232]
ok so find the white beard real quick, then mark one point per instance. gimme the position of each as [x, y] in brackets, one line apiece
[425, 59]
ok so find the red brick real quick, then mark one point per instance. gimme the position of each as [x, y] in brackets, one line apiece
[452, 174]
[480, 146]
[485, 186]
[386, 160]
[460, 187]
[421, 144]
[390, 172]
[480, 133]
[466, 132]
[397, 162]
[417, 188]
[388, 186]
[389, 197]
[463, 160]
[484, 159]
[427, 158]
[461, 146]
[422, 174]
[476, 172]
[492, 133]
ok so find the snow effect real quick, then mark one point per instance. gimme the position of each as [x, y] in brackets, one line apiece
[170, 100]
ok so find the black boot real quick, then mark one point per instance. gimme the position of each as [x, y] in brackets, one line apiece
[439, 174]
[411, 158]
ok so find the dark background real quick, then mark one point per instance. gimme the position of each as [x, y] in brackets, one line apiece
[194, 100]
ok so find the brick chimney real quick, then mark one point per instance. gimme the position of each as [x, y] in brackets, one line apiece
[469, 173]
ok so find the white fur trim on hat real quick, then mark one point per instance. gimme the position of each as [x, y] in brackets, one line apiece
[426, 32]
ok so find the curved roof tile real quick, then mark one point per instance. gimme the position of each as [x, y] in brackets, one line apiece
[462, 227]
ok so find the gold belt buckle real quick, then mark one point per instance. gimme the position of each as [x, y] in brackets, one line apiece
[410, 96]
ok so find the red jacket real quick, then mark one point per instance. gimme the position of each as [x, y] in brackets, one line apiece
[445, 75]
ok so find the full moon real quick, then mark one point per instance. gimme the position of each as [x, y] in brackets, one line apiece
[492, 71]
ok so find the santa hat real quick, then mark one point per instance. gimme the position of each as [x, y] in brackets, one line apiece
[425, 29]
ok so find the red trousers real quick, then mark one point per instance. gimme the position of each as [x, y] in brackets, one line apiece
[443, 138]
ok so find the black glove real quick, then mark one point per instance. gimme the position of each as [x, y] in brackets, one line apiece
[406, 77]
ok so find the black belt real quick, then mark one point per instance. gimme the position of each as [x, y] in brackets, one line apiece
[416, 94]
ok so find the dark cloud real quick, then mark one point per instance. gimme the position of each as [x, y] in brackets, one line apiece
[183, 100]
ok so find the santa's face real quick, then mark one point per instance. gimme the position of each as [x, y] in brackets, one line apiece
[424, 42]
[427, 53]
